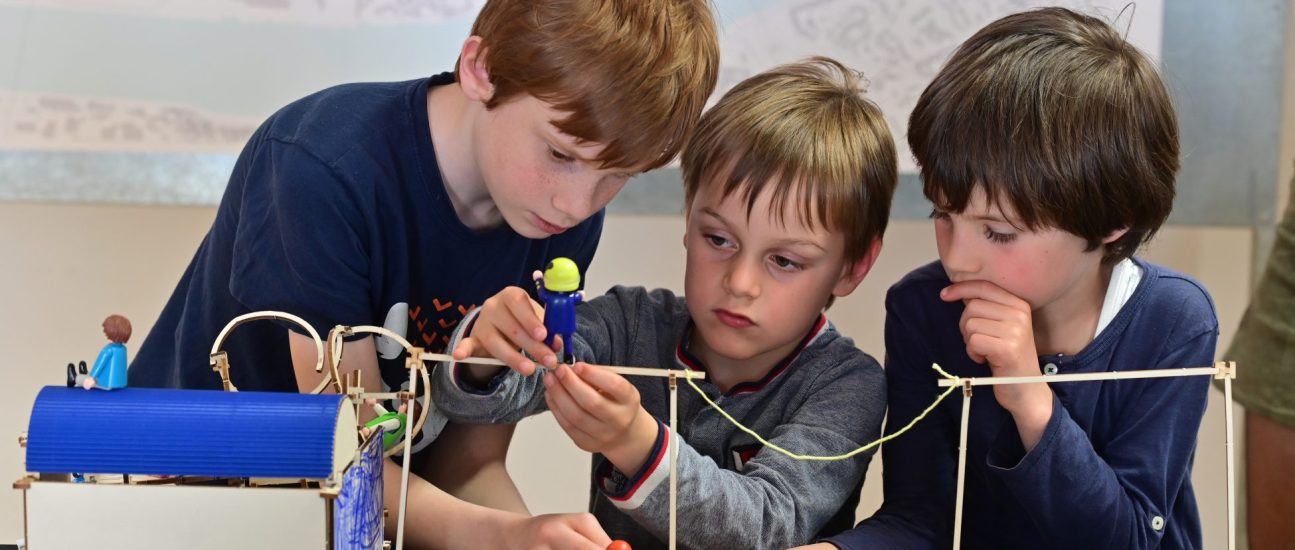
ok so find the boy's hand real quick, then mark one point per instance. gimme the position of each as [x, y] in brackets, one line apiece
[998, 329]
[555, 531]
[508, 321]
[600, 411]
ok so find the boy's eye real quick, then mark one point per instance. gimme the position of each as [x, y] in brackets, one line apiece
[999, 238]
[786, 263]
[716, 240]
[619, 178]
[559, 156]
[937, 214]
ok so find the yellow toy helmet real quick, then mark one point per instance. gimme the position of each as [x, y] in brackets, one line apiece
[562, 275]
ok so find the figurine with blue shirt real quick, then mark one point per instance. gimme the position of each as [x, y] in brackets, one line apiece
[109, 371]
[558, 288]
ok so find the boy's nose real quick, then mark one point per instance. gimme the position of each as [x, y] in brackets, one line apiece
[956, 259]
[577, 200]
[957, 256]
[743, 279]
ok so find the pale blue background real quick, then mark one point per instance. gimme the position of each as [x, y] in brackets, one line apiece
[1224, 61]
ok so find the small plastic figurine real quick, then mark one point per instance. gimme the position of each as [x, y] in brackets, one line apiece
[109, 371]
[558, 289]
[392, 423]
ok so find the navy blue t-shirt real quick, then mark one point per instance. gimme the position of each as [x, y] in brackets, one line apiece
[336, 212]
[1113, 466]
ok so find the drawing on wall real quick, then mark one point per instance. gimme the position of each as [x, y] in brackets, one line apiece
[357, 516]
[151, 100]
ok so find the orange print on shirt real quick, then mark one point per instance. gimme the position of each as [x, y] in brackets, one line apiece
[435, 336]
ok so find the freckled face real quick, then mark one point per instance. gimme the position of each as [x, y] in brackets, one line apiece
[542, 180]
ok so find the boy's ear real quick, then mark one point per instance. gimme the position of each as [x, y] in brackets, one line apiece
[854, 272]
[1114, 235]
[474, 75]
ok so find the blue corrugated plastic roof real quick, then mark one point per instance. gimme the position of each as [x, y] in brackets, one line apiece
[182, 432]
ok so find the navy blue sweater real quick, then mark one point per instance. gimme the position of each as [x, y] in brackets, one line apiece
[1113, 467]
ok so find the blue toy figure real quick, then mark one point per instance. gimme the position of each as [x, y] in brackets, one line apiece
[557, 288]
[109, 371]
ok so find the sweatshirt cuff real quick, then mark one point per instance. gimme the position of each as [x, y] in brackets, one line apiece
[456, 369]
[1007, 456]
[629, 493]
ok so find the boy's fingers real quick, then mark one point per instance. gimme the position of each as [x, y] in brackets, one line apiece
[540, 352]
[587, 525]
[610, 384]
[985, 290]
[586, 396]
[465, 348]
[1008, 315]
[588, 418]
[984, 339]
[984, 328]
[501, 349]
[995, 311]
[988, 312]
[519, 305]
[567, 413]
[979, 346]
[533, 347]
[501, 340]
[513, 358]
[555, 394]
[582, 542]
[558, 343]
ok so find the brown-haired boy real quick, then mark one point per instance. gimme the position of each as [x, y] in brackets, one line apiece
[1048, 145]
[788, 183]
[408, 203]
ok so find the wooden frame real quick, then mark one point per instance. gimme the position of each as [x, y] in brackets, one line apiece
[1224, 370]
[329, 354]
[672, 375]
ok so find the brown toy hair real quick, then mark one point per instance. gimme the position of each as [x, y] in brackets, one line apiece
[117, 329]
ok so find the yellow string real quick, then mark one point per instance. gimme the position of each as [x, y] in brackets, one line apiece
[688, 378]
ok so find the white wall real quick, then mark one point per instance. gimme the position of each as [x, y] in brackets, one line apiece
[68, 266]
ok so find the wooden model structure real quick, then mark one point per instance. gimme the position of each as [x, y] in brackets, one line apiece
[245, 470]
[228, 469]
[200, 469]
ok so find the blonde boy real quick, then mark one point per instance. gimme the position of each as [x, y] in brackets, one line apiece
[788, 184]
